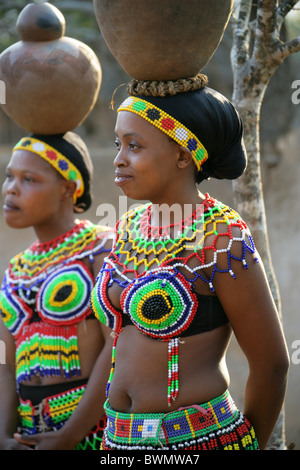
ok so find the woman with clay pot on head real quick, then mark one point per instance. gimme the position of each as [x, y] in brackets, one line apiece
[52, 338]
[183, 275]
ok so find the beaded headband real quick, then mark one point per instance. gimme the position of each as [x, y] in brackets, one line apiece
[56, 159]
[167, 124]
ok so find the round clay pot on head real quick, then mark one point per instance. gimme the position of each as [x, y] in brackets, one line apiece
[162, 39]
[52, 82]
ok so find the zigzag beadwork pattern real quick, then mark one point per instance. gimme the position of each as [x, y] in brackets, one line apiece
[158, 267]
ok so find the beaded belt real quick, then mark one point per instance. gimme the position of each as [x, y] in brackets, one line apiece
[53, 411]
[125, 430]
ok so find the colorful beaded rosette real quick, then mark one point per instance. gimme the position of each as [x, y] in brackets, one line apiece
[45, 294]
[160, 303]
[64, 295]
[169, 125]
[158, 272]
[56, 159]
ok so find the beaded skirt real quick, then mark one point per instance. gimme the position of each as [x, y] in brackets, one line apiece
[215, 425]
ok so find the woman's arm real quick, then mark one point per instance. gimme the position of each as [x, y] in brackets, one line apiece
[249, 305]
[8, 394]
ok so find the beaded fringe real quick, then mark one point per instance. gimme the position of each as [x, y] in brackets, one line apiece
[46, 350]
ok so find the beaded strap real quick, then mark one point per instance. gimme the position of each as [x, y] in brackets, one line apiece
[59, 408]
[216, 424]
[53, 412]
[173, 382]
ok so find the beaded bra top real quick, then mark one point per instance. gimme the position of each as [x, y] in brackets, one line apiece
[157, 274]
[45, 293]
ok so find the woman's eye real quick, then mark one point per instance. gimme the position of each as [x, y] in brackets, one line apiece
[28, 179]
[133, 146]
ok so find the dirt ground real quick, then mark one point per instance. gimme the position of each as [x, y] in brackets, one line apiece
[282, 195]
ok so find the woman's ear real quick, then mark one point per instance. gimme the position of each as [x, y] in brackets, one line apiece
[184, 157]
[68, 189]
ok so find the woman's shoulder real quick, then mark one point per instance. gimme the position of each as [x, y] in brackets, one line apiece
[224, 240]
[219, 218]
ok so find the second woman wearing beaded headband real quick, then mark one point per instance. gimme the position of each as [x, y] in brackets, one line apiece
[52, 338]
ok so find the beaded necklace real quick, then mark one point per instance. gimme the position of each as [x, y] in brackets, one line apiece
[45, 293]
[158, 272]
[40, 258]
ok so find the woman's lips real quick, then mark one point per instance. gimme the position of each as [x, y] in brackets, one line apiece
[9, 206]
[121, 179]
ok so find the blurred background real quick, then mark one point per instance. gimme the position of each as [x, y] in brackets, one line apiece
[280, 144]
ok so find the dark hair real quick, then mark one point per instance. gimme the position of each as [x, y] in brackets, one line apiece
[212, 118]
[73, 147]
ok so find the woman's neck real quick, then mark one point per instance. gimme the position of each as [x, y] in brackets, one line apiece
[166, 214]
[54, 228]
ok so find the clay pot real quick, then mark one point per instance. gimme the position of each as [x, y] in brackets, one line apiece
[52, 82]
[162, 39]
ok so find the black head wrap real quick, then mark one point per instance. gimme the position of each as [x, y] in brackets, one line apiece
[216, 123]
[74, 149]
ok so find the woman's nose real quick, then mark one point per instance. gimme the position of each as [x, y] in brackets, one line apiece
[10, 187]
[120, 159]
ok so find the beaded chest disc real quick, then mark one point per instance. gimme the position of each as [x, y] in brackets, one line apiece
[63, 297]
[45, 293]
[160, 303]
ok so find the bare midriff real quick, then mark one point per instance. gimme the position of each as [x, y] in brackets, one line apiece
[139, 383]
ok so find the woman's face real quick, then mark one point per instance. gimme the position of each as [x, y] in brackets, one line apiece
[146, 160]
[31, 191]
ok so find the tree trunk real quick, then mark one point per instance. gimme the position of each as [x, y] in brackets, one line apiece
[248, 190]
[249, 202]
[256, 53]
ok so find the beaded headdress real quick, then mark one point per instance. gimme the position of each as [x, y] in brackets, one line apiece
[169, 125]
[56, 159]
[69, 155]
[198, 118]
